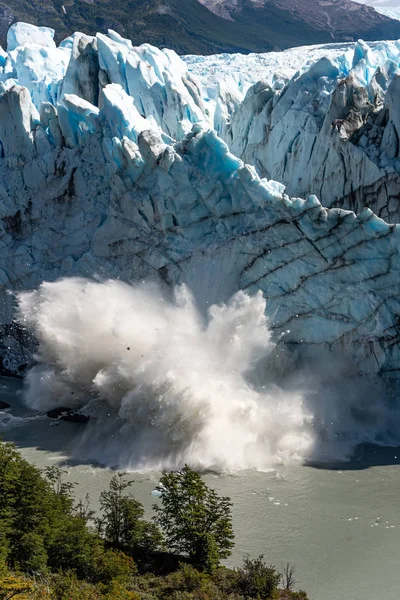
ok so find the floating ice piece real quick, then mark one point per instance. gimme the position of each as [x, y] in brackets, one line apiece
[156, 493]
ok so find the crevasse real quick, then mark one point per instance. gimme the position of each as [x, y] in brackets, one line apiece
[110, 165]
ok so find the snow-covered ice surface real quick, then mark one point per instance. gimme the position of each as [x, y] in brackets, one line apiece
[331, 131]
[389, 11]
[336, 137]
[110, 167]
[226, 78]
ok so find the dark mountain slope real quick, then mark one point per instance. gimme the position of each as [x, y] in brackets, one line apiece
[189, 27]
[340, 19]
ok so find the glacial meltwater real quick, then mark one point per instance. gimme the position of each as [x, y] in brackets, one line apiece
[340, 526]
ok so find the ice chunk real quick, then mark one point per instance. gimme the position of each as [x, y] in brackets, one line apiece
[21, 34]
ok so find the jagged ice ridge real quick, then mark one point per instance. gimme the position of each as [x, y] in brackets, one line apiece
[117, 162]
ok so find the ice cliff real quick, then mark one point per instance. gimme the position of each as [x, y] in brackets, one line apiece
[332, 130]
[110, 167]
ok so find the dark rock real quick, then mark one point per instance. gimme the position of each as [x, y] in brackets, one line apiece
[75, 417]
[4, 405]
[67, 414]
[56, 413]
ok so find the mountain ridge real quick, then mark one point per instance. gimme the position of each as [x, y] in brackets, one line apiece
[191, 28]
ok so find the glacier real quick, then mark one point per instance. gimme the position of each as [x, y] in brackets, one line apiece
[327, 128]
[121, 163]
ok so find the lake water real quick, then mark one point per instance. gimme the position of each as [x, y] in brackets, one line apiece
[339, 526]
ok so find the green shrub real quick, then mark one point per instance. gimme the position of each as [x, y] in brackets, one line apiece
[69, 546]
[188, 579]
[257, 580]
[68, 587]
[109, 565]
[32, 555]
[227, 580]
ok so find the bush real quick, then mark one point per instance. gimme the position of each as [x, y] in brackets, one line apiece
[70, 546]
[32, 555]
[257, 580]
[227, 580]
[68, 587]
[116, 591]
[109, 565]
[187, 579]
[13, 585]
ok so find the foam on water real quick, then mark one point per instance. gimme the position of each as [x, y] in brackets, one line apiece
[9, 421]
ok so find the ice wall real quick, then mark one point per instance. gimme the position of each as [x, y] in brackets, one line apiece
[117, 174]
[332, 130]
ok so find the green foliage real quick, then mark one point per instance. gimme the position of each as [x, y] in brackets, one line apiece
[32, 555]
[49, 551]
[70, 545]
[4, 549]
[257, 580]
[26, 507]
[23, 492]
[227, 580]
[122, 524]
[67, 586]
[195, 520]
[109, 565]
[188, 579]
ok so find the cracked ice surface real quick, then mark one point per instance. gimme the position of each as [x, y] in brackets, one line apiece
[109, 166]
[332, 130]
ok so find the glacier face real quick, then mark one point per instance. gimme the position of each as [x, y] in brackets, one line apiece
[110, 166]
[226, 78]
[332, 130]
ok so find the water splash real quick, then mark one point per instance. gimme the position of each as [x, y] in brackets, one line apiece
[165, 384]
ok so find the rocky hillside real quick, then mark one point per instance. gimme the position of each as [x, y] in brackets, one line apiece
[190, 27]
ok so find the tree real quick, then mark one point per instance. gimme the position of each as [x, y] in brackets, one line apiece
[69, 545]
[4, 549]
[23, 492]
[288, 576]
[32, 555]
[194, 519]
[82, 509]
[122, 524]
[63, 489]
